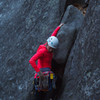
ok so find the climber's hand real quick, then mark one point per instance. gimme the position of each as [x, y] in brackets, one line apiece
[41, 75]
[61, 24]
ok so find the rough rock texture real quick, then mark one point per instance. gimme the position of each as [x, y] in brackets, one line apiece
[24, 25]
[72, 22]
[82, 73]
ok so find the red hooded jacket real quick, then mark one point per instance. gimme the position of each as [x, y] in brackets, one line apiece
[43, 56]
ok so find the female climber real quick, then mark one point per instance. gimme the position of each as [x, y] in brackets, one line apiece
[44, 54]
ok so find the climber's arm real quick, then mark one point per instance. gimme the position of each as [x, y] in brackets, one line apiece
[56, 30]
[33, 60]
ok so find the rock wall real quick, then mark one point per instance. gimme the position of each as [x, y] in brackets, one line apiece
[81, 79]
[25, 24]
[72, 20]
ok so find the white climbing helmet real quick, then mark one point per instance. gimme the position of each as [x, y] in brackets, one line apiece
[53, 42]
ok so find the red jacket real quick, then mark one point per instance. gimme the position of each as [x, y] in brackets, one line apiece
[43, 56]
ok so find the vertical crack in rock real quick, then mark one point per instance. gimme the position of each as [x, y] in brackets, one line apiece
[72, 22]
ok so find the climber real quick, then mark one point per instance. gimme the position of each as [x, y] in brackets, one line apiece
[44, 56]
[44, 53]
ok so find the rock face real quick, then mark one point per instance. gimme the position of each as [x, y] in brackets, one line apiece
[25, 24]
[82, 72]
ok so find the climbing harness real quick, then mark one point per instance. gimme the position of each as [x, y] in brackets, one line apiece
[47, 83]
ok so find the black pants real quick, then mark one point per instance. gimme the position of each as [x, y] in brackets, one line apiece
[42, 95]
